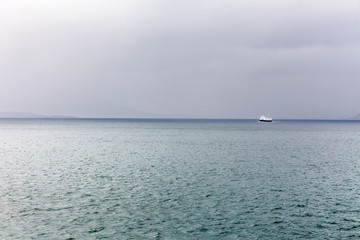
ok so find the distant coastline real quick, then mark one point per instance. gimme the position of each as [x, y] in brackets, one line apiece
[30, 115]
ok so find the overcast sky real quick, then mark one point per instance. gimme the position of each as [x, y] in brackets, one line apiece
[188, 58]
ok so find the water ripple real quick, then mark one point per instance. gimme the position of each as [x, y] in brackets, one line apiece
[179, 180]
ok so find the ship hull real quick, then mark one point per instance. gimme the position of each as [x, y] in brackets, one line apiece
[265, 120]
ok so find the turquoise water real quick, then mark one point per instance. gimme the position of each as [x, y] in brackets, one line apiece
[179, 179]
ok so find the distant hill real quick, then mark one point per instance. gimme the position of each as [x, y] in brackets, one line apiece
[357, 117]
[28, 115]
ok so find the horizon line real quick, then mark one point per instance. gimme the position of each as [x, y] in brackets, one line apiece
[173, 118]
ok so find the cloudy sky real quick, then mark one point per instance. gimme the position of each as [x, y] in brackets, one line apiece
[189, 58]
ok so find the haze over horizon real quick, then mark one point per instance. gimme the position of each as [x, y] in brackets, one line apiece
[199, 59]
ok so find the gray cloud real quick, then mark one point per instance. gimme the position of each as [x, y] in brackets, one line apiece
[296, 59]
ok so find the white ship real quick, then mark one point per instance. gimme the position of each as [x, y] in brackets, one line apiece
[264, 118]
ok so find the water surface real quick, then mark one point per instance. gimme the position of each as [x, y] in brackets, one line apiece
[179, 179]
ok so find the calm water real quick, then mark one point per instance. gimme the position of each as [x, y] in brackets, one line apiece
[184, 179]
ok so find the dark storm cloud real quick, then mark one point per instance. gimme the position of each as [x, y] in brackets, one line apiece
[296, 59]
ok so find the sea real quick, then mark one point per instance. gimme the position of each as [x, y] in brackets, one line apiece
[179, 179]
